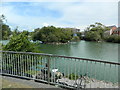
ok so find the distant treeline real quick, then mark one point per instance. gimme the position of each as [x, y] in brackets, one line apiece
[52, 34]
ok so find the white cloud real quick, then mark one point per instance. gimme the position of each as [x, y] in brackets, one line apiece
[45, 24]
[73, 15]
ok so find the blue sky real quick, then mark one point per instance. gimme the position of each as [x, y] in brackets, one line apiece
[30, 15]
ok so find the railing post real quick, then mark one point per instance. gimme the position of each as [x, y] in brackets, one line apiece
[48, 63]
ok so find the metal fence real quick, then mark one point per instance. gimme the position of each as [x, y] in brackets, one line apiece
[71, 72]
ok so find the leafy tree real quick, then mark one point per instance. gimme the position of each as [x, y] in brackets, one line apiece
[113, 38]
[5, 30]
[95, 32]
[20, 43]
[79, 35]
[75, 38]
[52, 34]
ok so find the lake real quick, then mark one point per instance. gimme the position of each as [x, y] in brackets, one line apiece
[84, 49]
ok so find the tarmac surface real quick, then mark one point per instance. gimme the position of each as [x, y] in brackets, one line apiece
[30, 83]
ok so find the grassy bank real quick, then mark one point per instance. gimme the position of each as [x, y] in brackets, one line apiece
[9, 84]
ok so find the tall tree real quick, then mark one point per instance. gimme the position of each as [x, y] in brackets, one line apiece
[5, 30]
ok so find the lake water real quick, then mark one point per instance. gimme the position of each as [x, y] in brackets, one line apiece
[83, 49]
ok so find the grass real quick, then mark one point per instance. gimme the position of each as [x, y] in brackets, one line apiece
[9, 84]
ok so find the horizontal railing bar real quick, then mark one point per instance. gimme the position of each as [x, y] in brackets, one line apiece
[51, 55]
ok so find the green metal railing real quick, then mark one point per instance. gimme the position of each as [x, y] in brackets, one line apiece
[71, 72]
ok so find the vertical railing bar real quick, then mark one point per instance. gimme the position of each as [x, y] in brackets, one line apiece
[22, 65]
[90, 73]
[64, 67]
[44, 58]
[35, 65]
[21, 59]
[110, 74]
[2, 61]
[12, 62]
[104, 76]
[68, 68]
[35, 68]
[30, 65]
[6, 63]
[49, 69]
[25, 64]
[86, 71]
[41, 64]
[95, 72]
[18, 65]
[28, 62]
[9, 61]
[117, 72]
[54, 68]
[52, 77]
[100, 77]
[75, 68]
[15, 64]
[71, 70]
[32, 71]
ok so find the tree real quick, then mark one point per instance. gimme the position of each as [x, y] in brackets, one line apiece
[20, 43]
[52, 34]
[5, 30]
[95, 32]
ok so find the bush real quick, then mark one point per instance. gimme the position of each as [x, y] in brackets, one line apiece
[52, 34]
[113, 38]
[75, 38]
[92, 36]
[73, 76]
[20, 43]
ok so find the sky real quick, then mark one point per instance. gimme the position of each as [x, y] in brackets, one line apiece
[28, 15]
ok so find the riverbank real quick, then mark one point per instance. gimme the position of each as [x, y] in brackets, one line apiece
[87, 83]
[56, 43]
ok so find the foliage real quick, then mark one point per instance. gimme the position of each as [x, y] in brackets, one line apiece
[5, 30]
[75, 38]
[73, 76]
[92, 36]
[113, 38]
[20, 43]
[52, 34]
[95, 32]
[79, 35]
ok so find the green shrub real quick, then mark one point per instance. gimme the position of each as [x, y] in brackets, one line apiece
[75, 38]
[113, 38]
[73, 76]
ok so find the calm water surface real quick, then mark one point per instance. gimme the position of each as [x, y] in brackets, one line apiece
[83, 49]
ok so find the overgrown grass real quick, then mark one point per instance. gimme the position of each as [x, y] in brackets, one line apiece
[9, 84]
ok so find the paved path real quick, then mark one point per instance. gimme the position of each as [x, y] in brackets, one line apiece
[31, 83]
